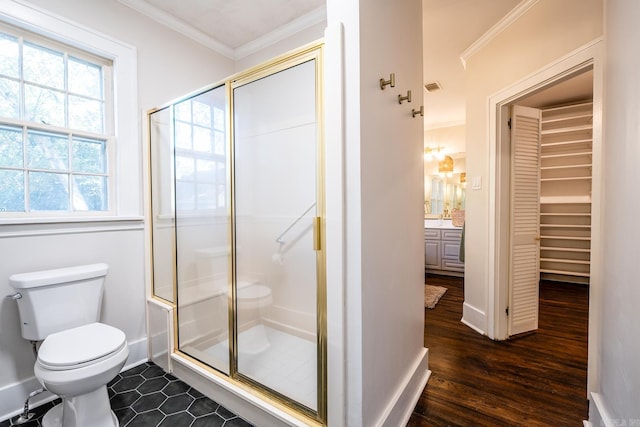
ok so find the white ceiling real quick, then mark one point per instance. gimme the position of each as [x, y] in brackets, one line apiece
[236, 27]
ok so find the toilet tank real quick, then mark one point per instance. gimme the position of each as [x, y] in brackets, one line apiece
[55, 300]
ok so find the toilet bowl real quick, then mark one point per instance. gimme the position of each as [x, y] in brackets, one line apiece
[78, 355]
[253, 295]
[76, 364]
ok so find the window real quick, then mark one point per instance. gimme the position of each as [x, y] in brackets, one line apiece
[55, 126]
[200, 157]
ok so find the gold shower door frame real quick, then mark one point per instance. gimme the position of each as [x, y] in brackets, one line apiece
[313, 52]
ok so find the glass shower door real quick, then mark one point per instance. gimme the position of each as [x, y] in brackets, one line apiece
[202, 227]
[278, 206]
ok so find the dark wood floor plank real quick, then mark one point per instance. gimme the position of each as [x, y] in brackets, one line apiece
[537, 379]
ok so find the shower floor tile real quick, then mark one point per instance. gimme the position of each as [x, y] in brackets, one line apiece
[146, 396]
[281, 361]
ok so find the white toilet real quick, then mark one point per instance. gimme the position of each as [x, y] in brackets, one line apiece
[78, 356]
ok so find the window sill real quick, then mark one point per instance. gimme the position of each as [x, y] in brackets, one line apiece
[18, 227]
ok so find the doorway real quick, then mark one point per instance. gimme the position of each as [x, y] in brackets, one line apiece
[578, 63]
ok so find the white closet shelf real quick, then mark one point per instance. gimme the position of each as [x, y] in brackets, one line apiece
[563, 272]
[554, 200]
[567, 130]
[564, 143]
[544, 168]
[566, 261]
[571, 107]
[565, 214]
[565, 226]
[584, 239]
[561, 155]
[563, 249]
[554, 119]
[566, 178]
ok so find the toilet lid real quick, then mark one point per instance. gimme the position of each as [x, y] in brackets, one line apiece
[80, 345]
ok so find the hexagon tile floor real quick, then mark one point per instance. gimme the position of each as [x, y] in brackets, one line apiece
[146, 396]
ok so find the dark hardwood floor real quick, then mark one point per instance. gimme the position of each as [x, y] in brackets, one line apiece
[537, 379]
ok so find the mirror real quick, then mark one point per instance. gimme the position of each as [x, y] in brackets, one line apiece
[444, 192]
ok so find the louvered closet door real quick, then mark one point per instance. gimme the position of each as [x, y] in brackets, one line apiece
[525, 220]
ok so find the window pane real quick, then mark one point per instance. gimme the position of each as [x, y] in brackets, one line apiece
[85, 78]
[202, 139]
[206, 196]
[206, 171]
[9, 98]
[182, 111]
[221, 172]
[218, 143]
[89, 193]
[11, 191]
[183, 135]
[43, 66]
[89, 156]
[48, 191]
[201, 114]
[185, 196]
[184, 168]
[218, 118]
[43, 106]
[47, 151]
[85, 114]
[9, 54]
[11, 154]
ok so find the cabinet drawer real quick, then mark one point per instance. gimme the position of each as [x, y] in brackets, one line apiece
[452, 265]
[431, 234]
[452, 235]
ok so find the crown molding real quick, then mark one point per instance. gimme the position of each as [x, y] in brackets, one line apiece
[494, 31]
[179, 26]
[303, 22]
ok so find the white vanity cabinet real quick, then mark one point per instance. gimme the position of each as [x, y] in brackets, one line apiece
[442, 251]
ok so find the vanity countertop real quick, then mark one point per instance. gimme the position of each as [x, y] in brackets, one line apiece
[440, 223]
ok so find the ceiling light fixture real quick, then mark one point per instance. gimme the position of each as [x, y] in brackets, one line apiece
[445, 166]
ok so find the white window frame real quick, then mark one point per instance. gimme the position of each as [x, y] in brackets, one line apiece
[126, 195]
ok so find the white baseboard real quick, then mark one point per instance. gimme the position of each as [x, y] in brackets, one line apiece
[474, 318]
[599, 414]
[138, 353]
[406, 397]
[13, 396]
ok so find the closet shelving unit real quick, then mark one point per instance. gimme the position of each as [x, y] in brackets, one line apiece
[565, 192]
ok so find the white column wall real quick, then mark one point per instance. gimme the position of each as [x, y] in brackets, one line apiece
[619, 394]
[384, 253]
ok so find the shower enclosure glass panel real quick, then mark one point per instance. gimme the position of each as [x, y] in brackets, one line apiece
[161, 170]
[202, 224]
[275, 171]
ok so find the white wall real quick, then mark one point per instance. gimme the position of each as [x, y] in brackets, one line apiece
[169, 65]
[383, 196]
[536, 39]
[619, 392]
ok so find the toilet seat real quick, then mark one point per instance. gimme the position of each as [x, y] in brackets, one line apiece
[252, 291]
[78, 347]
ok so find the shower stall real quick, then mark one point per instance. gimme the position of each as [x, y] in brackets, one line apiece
[237, 212]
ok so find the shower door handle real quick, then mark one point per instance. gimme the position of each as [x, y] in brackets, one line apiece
[317, 222]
